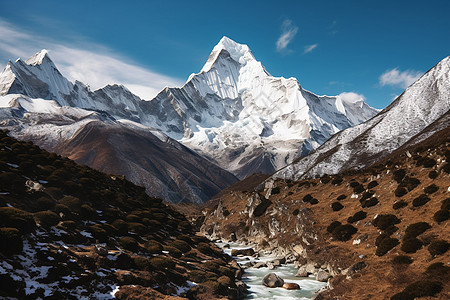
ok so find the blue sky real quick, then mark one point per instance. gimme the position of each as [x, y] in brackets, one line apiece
[371, 48]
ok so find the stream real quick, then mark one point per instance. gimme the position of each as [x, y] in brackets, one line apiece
[253, 278]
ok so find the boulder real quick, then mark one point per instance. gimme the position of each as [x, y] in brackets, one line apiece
[272, 280]
[302, 272]
[244, 252]
[101, 250]
[322, 276]
[270, 265]
[259, 265]
[291, 286]
[356, 267]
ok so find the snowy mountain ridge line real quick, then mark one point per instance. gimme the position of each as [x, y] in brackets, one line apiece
[422, 104]
[233, 112]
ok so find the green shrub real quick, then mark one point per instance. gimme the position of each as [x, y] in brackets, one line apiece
[421, 200]
[47, 218]
[307, 198]
[438, 247]
[98, 232]
[369, 202]
[336, 206]
[204, 248]
[142, 263]
[399, 204]
[402, 260]
[446, 168]
[399, 175]
[17, 218]
[70, 225]
[162, 263]
[180, 245]
[121, 226]
[357, 217]
[296, 212]
[410, 183]
[54, 192]
[174, 252]
[71, 202]
[428, 162]
[45, 203]
[276, 190]
[411, 245]
[441, 215]
[433, 174]
[431, 189]
[10, 241]
[437, 270]
[153, 247]
[400, 191]
[341, 197]
[385, 245]
[372, 184]
[129, 243]
[446, 204]
[344, 232]
[133, 218]
[418, 289]
[261, 208]
[382, 222]
[390, 230]
[313, 201]
[185, 238]
[337, 181]
[416, 229]
[333, 226]
[354, 184]
[359, 189]
[87, 212]
[137, 228]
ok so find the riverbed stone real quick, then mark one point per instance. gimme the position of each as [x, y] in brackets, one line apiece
[244, 252]
[272, 280]
[322, 276]
[260, 265]
[291, 286]
[302, 272]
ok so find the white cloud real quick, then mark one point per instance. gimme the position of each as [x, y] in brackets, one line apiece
[288, 33]
[351, 97]
[310, 48]
[403, 79]
[90, 63]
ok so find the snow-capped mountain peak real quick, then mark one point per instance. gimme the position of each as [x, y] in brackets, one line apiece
[38, 58]
[240, 53]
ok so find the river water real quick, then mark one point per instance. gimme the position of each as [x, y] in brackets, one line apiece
[253, 278]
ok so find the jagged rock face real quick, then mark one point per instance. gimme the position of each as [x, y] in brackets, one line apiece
[411, 115]
[238, 115]
[233, 112]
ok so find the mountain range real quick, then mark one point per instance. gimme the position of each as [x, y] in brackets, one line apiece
[233, 116]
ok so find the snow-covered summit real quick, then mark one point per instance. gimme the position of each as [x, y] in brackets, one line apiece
[238, 52]
[410, 115]
[233, 111]
[38, 58]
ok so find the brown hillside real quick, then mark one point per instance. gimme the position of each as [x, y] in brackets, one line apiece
[376, 251]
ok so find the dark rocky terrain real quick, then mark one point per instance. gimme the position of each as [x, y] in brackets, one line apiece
[377, 233]
[70, 232]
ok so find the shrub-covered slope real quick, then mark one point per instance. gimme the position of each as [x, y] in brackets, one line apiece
[381, 232]
[70, 232]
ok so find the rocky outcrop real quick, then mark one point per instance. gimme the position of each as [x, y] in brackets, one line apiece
[272, 280]
[291, 286]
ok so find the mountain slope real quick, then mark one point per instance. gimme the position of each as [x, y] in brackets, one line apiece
[233, 112]
[377, 233]
[147, 157]
[247, 121]
[70, 232]
[410, 114]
